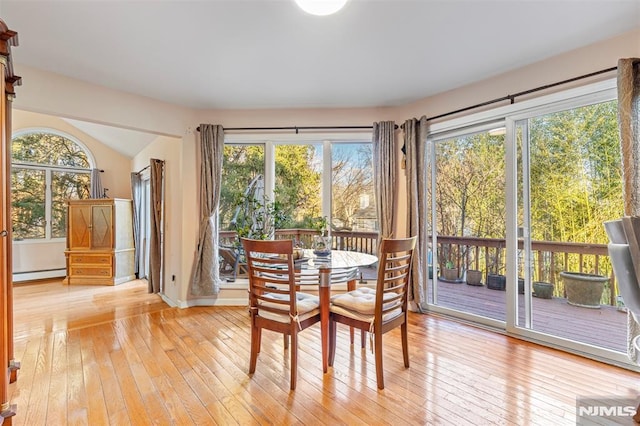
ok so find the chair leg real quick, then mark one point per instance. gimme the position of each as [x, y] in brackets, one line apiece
[379, 367]
[294, 359]
[259, 339]
[286, 341]
[363, 339]
[405, 344]
[255, 348]
[332, 342]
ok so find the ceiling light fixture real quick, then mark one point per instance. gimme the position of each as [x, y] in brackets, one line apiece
[321, 7]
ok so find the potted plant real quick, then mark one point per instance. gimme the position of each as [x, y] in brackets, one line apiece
[474, 277]
[495, 280]
[582, 289]
[543, 289]
[449, 272]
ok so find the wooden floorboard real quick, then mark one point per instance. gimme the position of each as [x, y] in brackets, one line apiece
[117, 355]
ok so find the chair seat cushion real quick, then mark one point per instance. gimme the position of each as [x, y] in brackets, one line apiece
[361, 300]
[364, 317]
[308, 305]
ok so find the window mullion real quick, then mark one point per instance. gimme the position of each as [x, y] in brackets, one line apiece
[48, 204]
[326, 179]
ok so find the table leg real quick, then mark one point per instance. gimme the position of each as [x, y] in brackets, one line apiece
[325, 293]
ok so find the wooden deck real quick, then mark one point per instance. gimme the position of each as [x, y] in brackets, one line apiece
[117, 355]
[605, 327]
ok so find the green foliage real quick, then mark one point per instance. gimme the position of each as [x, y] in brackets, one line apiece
[320, 224]
[258, 219]
[48, 148]
[297, 183]
[576, 181]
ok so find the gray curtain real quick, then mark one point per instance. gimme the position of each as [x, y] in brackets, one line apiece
[156, 223]
[206, 274]
[136, 195]
[97, 191]
[415, 137]
[385, 166]
[628, 118]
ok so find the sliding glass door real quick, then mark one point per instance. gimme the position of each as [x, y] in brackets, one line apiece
[569, 183]
[518, 202]
[467, 192]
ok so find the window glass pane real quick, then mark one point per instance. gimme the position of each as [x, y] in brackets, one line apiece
[47, 148]
[576, 181]
[28, 203]
[66, 186]
[352, 201]
[242, 165]
[298, 185]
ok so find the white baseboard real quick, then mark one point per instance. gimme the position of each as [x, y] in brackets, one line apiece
[39, 275]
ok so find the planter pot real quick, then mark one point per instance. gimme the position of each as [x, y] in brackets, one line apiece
[583, 289]
[542, 290]
[474, 277]
[496, 282]
[520, 286]
[450, 274]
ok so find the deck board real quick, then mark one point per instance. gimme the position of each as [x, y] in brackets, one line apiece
[605, 327]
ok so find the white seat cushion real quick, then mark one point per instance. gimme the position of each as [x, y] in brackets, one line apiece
[361, 300]
[364, 317]
[307, 304]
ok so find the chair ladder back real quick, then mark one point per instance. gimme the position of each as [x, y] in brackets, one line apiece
[396, 256]
[272, 285]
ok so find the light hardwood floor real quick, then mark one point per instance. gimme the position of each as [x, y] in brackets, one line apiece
[99, 355]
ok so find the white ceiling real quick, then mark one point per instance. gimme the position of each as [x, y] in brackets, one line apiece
[270, 54]
[242, 54]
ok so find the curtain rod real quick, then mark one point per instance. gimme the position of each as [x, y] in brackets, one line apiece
[298, 128]
[143, 169]
[525, 92]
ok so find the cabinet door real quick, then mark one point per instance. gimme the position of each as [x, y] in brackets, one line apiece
[79, 226]
[101, 227]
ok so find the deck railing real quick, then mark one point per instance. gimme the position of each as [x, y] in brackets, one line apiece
[363, 242]
[549, 260]
[484, 254]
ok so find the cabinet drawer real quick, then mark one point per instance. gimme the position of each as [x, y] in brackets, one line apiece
[90, 271]
[90, 259]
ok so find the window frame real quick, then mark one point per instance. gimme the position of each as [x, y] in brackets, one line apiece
[49, 170]
[271, 140]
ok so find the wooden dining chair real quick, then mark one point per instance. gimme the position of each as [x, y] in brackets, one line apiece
[274, 302]
[381, 309]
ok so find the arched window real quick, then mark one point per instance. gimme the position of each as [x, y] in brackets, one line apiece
[47, 168]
